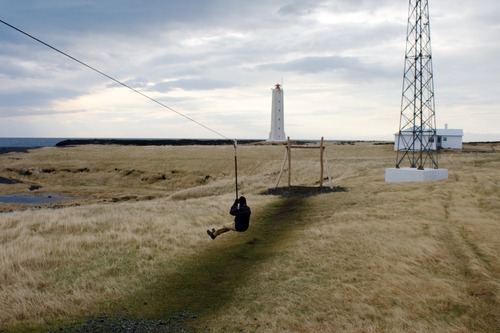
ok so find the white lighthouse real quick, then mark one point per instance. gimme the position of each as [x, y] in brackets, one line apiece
[277, 117]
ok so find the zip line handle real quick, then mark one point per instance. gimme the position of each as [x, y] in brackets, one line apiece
[235, 144]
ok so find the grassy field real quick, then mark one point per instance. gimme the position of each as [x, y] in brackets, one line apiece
[379, 257]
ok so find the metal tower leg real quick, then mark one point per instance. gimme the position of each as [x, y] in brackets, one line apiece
[417, 139]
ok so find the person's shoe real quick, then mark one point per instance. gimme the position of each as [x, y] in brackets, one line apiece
[211, 233]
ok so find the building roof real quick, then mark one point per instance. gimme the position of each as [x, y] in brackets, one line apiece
[449, 132]
[440, 132]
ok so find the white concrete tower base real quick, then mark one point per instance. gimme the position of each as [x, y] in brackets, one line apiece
[395, 175]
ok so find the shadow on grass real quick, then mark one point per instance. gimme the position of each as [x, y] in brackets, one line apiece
[303, 191]
[207, 281]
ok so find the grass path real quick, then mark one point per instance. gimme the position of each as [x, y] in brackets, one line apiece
[475, 269]
[206, 282]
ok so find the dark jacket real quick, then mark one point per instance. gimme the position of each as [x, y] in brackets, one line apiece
[241, 216]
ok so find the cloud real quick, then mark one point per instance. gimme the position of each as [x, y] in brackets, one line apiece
[316, 64]
[341, 61]
[350, 69]
[188, 84]
[35, 99]
[191, 84]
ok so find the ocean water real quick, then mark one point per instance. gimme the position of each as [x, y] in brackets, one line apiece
[30, 142]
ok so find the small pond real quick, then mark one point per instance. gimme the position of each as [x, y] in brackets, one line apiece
[32, 199]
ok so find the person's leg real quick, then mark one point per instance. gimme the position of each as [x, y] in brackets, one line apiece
[225, 228]
[221, 231]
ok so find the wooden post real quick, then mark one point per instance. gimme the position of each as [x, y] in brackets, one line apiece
[282, 168]
[289, 150]
[288, 155]
[328, 171]
[321, 162]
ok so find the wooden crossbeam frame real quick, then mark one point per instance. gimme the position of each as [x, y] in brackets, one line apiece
[288, 157]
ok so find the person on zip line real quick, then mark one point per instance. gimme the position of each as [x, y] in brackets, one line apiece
[241, 221]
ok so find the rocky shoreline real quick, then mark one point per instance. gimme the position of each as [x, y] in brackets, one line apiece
[5, 150]
[134, 142]
[152, 142]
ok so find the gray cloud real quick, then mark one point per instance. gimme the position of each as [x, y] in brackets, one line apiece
[34, 98]
[350, 68]
[316, 64]
[191, 84]
[239, 48]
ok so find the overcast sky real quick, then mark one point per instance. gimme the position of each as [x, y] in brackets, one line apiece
[216, 61]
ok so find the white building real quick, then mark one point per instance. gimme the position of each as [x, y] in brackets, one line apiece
[450, 138]
[446, 138]
[277, 115]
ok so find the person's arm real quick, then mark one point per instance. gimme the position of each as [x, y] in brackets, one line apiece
[234, 207]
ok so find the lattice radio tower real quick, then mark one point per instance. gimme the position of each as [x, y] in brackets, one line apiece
[417, 126]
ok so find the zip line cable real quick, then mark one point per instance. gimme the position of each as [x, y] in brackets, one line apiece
[115, 80]
[138, 92]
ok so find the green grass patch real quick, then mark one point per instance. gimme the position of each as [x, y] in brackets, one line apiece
[206, 282]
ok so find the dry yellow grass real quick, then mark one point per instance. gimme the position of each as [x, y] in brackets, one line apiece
[385, 257]
[379, 258]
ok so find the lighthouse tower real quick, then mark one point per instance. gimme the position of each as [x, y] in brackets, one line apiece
[277, 116]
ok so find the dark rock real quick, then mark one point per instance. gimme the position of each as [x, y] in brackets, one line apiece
[125, 323]
[9, 181]
[151, 142]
